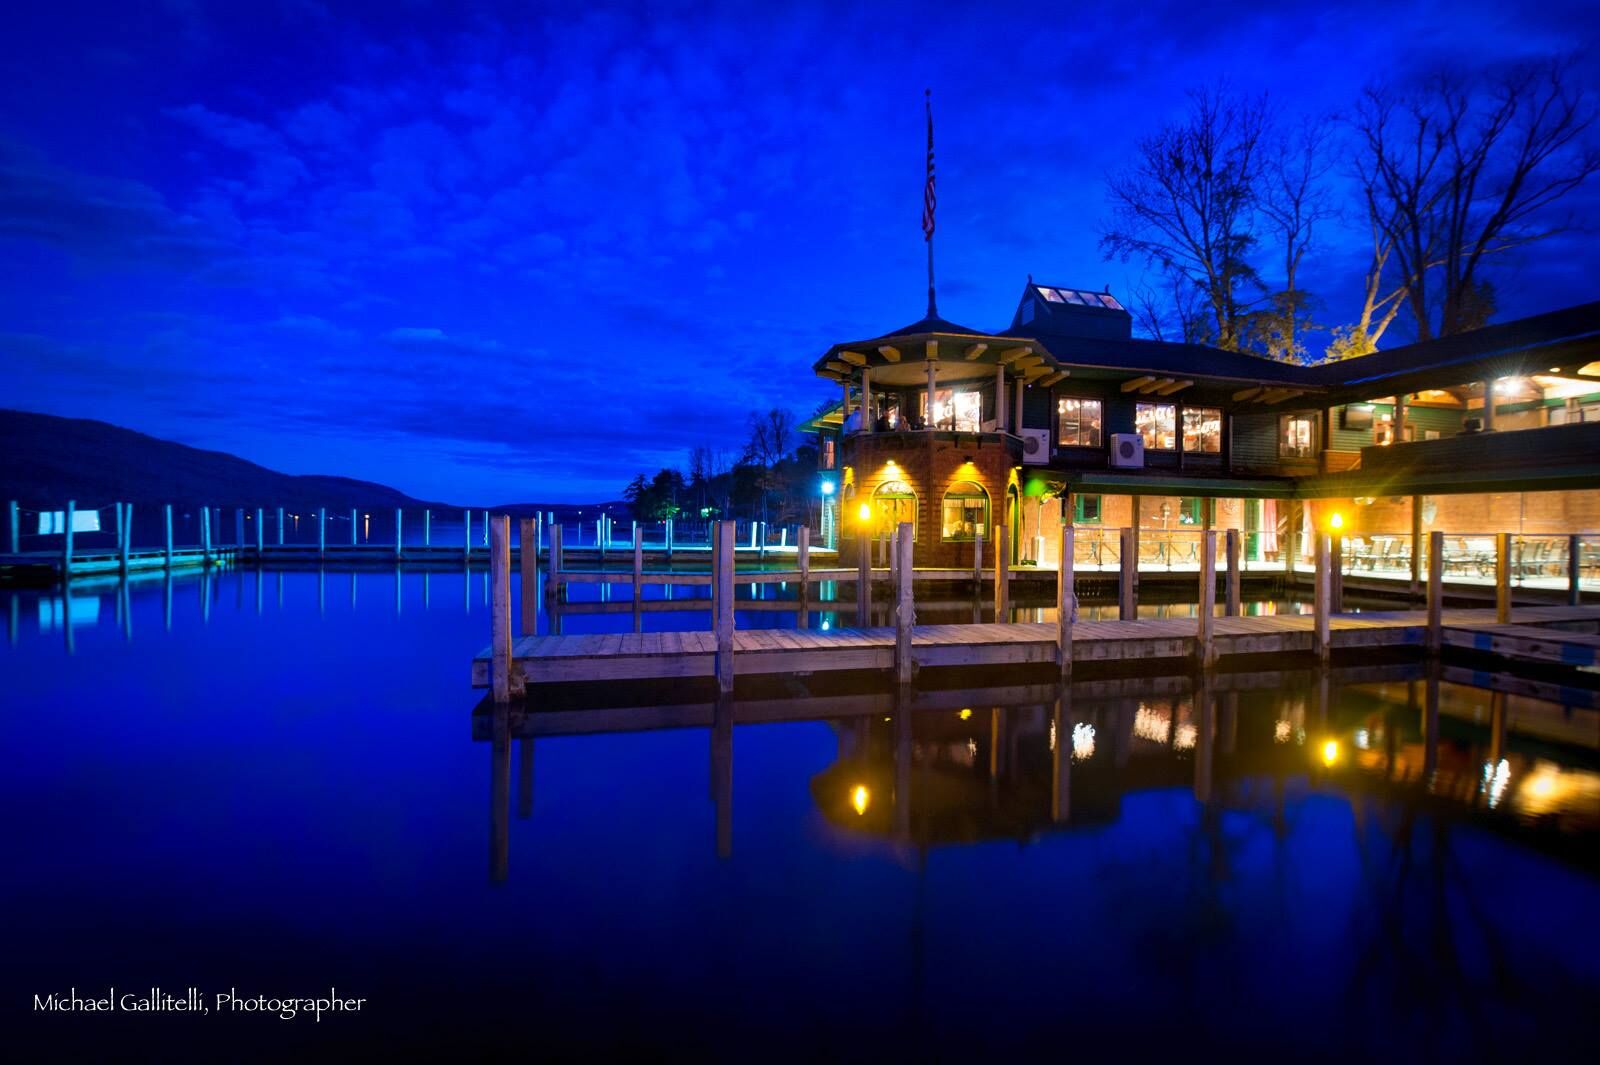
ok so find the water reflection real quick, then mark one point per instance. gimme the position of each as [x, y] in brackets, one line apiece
[925, 769]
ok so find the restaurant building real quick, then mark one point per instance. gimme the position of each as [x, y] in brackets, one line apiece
[1064, 416]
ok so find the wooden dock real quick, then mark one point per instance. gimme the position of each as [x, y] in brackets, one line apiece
[679, 655]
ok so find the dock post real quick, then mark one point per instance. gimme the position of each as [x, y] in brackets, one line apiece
[127, 534]
[904, 605]
[205, 535]
[638, 570]
[1502, 578]
[803, 551]
[14, 527]
[427, 527]
[466, 534]
[238, 526]
[553, 584]
[322, 533]
[1336, 574]
[261, 533]
[399, 539]
[528, 564]
[486, 528]
[116, 513]
[166, 521]
[1575, 568]
[1066, 607]
[724, 605]
[500, 609]
[1127, 592]
[280, 526]
[1435, 591]
[600, 538]
[355, 526]
[1002, 574]
[863, 580]
[977, 559]
[1321, 598]
[1235, 560]
[1205, 631]
[669, 541]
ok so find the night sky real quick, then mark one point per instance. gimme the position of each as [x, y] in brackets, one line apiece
[524, 253]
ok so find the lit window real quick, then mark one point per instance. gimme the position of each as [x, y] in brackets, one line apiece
[1110, 301]
[966, 512]
[1071, 296]
[1295, 434]
[892, 503]
[1156, 423]
[1086, 510]
[1202, 430]
[1079, 422]
[960, 411]
[1050, 294]
[827, 453]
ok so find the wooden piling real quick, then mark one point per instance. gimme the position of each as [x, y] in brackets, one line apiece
[977, 560]
[1321, 598]
[399, 533]
[904, 606]
[1336, 574]
[1205, 632]
[261, 533]
[1502, 578]
[14, 527]
[1416, 548]
[166, 521]
[205, 535]
[500, 608]
[863, 580]
[1066, 605]
[528, 563]
[1127, 588]
[1002, 574]
[466, 534]
[127, 534]
[1435, 591]
[723, 531]
[803, 553]
[600, 538]
[557, 563]
[322, 533]
[280, 526]
[638, 570]
[1234, 547]
[1574, 570]
[355, 526]
[669, 541]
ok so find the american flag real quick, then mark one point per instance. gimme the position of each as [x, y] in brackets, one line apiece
[929, 199]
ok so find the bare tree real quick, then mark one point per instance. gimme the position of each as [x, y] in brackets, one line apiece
[1465, 169]
[1170, 312]
[770, 435]
[1382, 296]
[1294, 202]
[1188, 205]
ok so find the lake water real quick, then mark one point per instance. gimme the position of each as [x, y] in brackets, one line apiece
[285, 784]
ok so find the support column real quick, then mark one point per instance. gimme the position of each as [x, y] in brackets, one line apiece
[399, 530]
[1574, 570]
[280, 526]
[261, 534]
[355, 526]
[466, 534]
[1000, 397]
[322, 532]
[1016, 393]
[126, 510]
[1399, 420]
[866, 400]
[14, 527]
[932, 370]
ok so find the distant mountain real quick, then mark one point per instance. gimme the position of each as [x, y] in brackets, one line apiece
[46, 460]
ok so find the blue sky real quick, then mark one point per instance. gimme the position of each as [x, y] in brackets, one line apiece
[495, 253]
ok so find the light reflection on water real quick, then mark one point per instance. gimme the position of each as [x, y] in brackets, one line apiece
[280, 780]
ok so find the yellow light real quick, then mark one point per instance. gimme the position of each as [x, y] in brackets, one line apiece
[1336, 521]
[966, 713]
[865, 513]
[1330, 752]
[860, 798]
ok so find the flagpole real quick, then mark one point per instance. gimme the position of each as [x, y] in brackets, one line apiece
[928, 206]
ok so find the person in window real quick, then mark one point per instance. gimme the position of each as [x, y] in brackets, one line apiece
[882, 424]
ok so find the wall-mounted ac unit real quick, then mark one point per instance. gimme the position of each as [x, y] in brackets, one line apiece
[1127, 450]
[1035, 447]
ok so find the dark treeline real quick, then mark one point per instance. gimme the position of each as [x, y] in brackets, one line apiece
[773, 478]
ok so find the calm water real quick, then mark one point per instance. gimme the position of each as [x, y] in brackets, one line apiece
[285, 785]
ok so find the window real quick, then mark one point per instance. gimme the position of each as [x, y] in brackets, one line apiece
[892, 503]
[888, 419]
[1295, 433]
[1051, 294]
[1156, 423]
[1189, 511]
[961, 411]
[1202, 430]
[1086, 510]
[827, 453]
[1079, 422]
[966, 512]
[1383, 429]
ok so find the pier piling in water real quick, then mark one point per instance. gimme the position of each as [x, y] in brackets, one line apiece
[126, 528]
[500, 609]
[863, 581]
[723, 625]
[1002, 574]
[904, 604]
[14, 525]
[1127, 594]
[280, 526]
[1205, 632]
[1435, 591]
[528, 563]
[1574, 570]
[1234, 562]
[466, 534]
[399, 538]
[166, 521]
[205, 535]
[322, 533]
[1322, 595]
[261, 533]
[553, 585]
[803, 552]
[1066, 603]
[1502, 578]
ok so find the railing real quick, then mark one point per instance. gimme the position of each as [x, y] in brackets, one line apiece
[1537, 560]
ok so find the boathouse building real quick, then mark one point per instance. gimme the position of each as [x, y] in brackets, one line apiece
[1064, 416]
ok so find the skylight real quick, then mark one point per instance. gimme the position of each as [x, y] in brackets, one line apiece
[1079, 297]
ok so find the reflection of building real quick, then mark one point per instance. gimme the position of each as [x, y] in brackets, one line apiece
[1063, 415]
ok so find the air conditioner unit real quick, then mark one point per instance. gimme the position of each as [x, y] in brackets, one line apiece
[1035, 447]
[1127, 450]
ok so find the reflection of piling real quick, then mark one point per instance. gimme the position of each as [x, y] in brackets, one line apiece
[722, 763]
[1435, 591]
[1061, 757]
[500, 795]
[1430, 719]
[525, 777]
[902, 762]
[1205, 725]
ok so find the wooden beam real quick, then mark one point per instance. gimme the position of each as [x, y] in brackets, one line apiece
[855, 358]
[974, 350]
[889, 351]
[1059, 375]
[1011, 355]
[1139, 382]
[1035, 373]
[1027, 361]
[1155, 385]
[838, 367]
[1173, 388]
[1247, 393]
